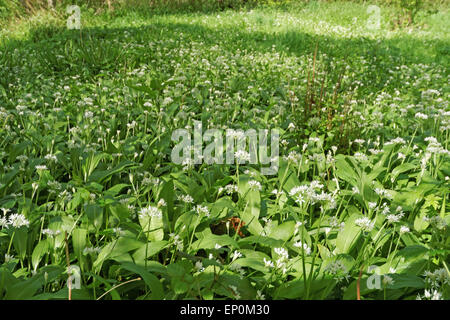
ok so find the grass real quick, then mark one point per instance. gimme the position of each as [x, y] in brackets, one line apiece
[87, 179]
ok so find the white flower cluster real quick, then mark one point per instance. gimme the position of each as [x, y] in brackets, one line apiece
[242, 156]
[338, 270]
[255, 185]
[150, 212]
[312, 193]
[306, 248]
[365, 223]
[383, 193]
[51, 233]
[91, 250]
[437, 278]
[430, 295]
[283, 258]
[229, 189]
[177, 241]
[434, 147]
[15, 220]
[436, 221]
[186, 198]
[202, 210]
[293, 156]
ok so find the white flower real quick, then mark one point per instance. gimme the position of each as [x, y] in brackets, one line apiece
[18, 220]
[421, 116]
[404, 229]
[242, 156]
[199, 266]
[51, 157]
[202, 210]
[393, 218]
[88, 114]
[361, 157]
[437, 278]
[291, 127]
[186, 198]
[372, 205]
[42, 167]
[337, 269]
[51, 233]
[235, 255]
[306, 249]
[8, 257]
[282, 252]
[387, 280]
[365, 223]
[4, 222]
[255, 185]
[161, 203]
[150, 212]
[268, 263]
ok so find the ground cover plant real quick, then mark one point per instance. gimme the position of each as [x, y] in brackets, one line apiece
[358, 207]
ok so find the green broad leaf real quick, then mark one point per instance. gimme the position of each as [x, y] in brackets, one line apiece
[107, 283]
[153, 227]
[287, 177]
[79, 237]
[119, 211]
[256, 264]
[39, 252]
[252, 199]
[347, 238]
[181, 280]
[295, 289]
[210, 241]
[221, 207]
[101, 175]
[243, 286]
[148, 250]
[95, 214]
[283, 231]
[406, 281]
[156, 288]
[20, 241]
[167, 194]
[413, 252]
[420, 223]
[114, 190]
[407, 166]
[347, 170]
[90, 163]
[24, 289]
[264, 241]
[115, 249]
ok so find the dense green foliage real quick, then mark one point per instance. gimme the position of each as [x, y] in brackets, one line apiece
[86, 118]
